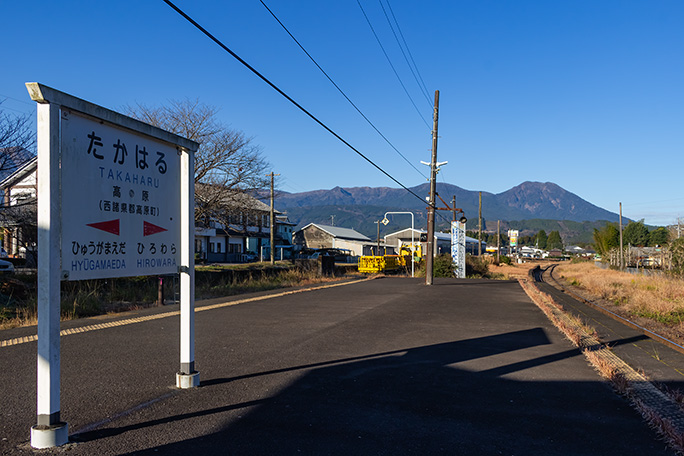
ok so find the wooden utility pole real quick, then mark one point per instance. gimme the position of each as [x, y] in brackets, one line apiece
[622, 252]
[273, 223]
[430, 250]
[479, 228]
[498, 243]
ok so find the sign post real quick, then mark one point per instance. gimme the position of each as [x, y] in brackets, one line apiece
[513, 238]
[458, 243]
[385, 221]
[49, 430]
[115, 199]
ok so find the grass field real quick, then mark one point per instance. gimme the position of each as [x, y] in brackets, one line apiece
[655, 299]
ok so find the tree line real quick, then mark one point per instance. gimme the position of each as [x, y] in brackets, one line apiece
[635, 234]
[540, 240]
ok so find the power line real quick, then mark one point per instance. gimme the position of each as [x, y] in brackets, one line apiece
[29, 112]
[390, 63]
[18, 100]
[338, 88]
[407, 48]
[277, 89]
[424, 92]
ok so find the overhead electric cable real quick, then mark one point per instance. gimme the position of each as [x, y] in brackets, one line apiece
[390, 63]
[277, 89]
[424, 92]
[338, 88]
[407, 48]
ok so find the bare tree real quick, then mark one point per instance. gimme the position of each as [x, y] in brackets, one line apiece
[17, 142]
[227, 164]
[17, 209]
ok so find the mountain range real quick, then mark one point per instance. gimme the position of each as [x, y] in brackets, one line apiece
[360, 207]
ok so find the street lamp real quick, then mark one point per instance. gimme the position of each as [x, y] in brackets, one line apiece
[385, 221]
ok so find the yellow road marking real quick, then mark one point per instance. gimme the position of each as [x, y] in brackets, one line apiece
[130, 321]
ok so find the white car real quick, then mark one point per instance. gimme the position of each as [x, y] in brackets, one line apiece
[6, 267]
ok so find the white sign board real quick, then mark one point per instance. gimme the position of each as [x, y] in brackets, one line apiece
[458, 251]
[120, 201]
[513, 237]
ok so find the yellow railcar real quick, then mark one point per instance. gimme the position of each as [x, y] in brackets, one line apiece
[382, 263]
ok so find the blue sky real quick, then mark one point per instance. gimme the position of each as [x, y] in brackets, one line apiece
[586, 94]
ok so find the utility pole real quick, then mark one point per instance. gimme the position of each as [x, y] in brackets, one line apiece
[273, 224]
[479, 228]
[429, 261]
[453, 205]
[498, 243]
[622, 252]
[378, 223]
[332, 218]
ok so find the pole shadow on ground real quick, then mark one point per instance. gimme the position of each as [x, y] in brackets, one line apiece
[418, 401]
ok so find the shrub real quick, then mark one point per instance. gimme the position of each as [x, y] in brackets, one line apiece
[503, 259]
[476, 267]
[443, 266]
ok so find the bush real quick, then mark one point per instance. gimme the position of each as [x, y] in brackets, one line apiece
[443, 266]
[476, 266]
[503, 259]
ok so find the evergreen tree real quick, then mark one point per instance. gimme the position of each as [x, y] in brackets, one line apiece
[541, 239]
[635, 234]
[554, 241]
[606, 239]
[659, 236]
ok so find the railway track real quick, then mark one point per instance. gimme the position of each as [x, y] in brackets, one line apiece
[546, 275]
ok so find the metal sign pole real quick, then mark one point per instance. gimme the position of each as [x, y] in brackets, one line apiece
[50, 430]
[413, 241]
[188, 377]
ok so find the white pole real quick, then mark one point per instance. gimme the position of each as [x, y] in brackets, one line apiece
[50, 431]
[413, 246]
[187, 377]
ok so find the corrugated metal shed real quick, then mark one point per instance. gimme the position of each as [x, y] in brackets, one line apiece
[339, 232]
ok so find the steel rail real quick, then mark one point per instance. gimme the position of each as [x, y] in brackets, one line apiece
[652, 335]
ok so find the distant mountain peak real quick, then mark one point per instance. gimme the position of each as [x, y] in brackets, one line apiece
[526, 201]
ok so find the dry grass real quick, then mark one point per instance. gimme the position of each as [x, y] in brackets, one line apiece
[658, 298]
[607, 369]
[89, 298]
[515, 271]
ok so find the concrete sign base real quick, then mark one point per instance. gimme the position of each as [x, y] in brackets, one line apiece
[49, 436]
[185, 381]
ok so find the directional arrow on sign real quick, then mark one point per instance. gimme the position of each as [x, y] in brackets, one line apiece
[149, 228]
[110, 226]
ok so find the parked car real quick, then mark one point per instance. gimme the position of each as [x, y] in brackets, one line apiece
[6, 267]
[249, 257]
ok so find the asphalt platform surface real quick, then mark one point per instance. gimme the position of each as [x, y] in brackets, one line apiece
[381, 367]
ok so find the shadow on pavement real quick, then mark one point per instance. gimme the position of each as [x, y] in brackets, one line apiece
[416, 402]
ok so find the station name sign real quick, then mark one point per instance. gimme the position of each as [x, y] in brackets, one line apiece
[120, 201]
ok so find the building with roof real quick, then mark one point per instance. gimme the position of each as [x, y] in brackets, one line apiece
[317, 236]
[243, 233]
[18, 216]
